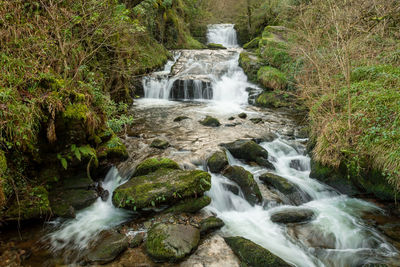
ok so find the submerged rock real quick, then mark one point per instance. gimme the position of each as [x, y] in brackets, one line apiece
[171, 242]
[246, 182]
[256, 120]
[160, 144]
[254, 255]
[160, 182]
[110, 245]
[249, 151]
[292, 215]
[296, 164]
[210, 122]
[242, 115]
[217, 162]
[181, 118]
[210, 224]
[137, 240]
[288, 189]
[313, 237]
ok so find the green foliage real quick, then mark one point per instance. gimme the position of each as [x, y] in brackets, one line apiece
[272, 78]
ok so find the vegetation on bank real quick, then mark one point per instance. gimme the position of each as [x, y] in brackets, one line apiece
[342, 58]
[67, 78]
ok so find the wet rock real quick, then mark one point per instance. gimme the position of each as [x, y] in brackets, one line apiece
[296, 164]
[313, 237]
[210, 122]
[213, 46]
[191, 88]
[217, 162]
[213, 252]
[231, 118]
[110, 245]
[210, 224]
[246, 182]
[171, 242]
[112, 150]
[292, 215]
[242, 115]
[160, 144]
[249, 151]
[252, 254]
[289, 190]
[104, 195]
[231, 124]
[137, 240]
[190, 205]
[181, 118]
[392, 230]
[160, 184]
[232, 188]
[256, 120]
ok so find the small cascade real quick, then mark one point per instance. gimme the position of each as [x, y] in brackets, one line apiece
[224, 34]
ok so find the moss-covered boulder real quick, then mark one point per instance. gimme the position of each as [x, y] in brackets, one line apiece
[252, 254]
[210, 122]
[253, 44]
[215, 46]
[249, 151]
[242, 115]
[64, 203]
[108, 247]
[250, 63]
[159, 144]
[272, 78]
[154, 164]
[171, 242]
[246, 182]
[191, 205]
[210, 224]
[274, 99]
[113, 150]
[292, 215]
[217, 162]
[291, 194]
[159, 183]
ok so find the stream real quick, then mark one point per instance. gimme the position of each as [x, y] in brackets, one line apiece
[197, 83]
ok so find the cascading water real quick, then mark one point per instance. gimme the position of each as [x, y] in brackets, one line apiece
[224, 34]
[338, 217]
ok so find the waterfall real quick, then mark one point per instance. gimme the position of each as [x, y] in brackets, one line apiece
[224, 34]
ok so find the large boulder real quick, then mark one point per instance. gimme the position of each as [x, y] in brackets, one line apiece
[249, 151]
[290, 192]
[292, 215]
[160, 184]
[254, 255]
[109, 246]
[171, 242]
[246, 182]
[217, 162]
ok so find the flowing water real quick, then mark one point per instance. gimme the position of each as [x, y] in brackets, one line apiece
[210, 82]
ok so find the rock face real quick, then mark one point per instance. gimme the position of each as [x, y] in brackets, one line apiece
[160, 144]
[254, 255]
[246, 182]
[292, 215]
[217, 162]
[160, 182]
[313, 237]
[171, 242]
[213, 252]
[210, 122]
[210, 224]
[290, 191]
[110, 245]
[249, 151]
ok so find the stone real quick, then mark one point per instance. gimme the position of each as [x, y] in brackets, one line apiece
[256, 120]
[267, 137]
[181, 118]
[217, 162]
[210, 122]
[191, 205]
[213, 252]
[242, 115]
[249, 151]
[109, 246]
[232, 188]
[210, 224]
[253, 254]
[296, 164]
[171, 242]
[137, 240]
[160, 144]
[153, 164]
[215, 46]
[311, 236]
[231, 118]
[392, 230]
[292, 215]
[246, 182]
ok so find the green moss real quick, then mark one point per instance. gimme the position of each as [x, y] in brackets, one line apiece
[217, 162]
[77, 111]
[192, 205]
[210, 224]
[250, 63]
[274, 53]
[253, 44]
[215, 46]
[210, 122]
[112, 149]
[271, 100]
[154, 243]
[162, 187]
[254, 255]
[3, 163]
[272, 78]
[372, 73]
[154, 164]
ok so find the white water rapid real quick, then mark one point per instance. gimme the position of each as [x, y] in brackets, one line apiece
[224, 34]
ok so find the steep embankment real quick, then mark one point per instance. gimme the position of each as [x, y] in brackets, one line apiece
[342, 60]
[65, 85]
